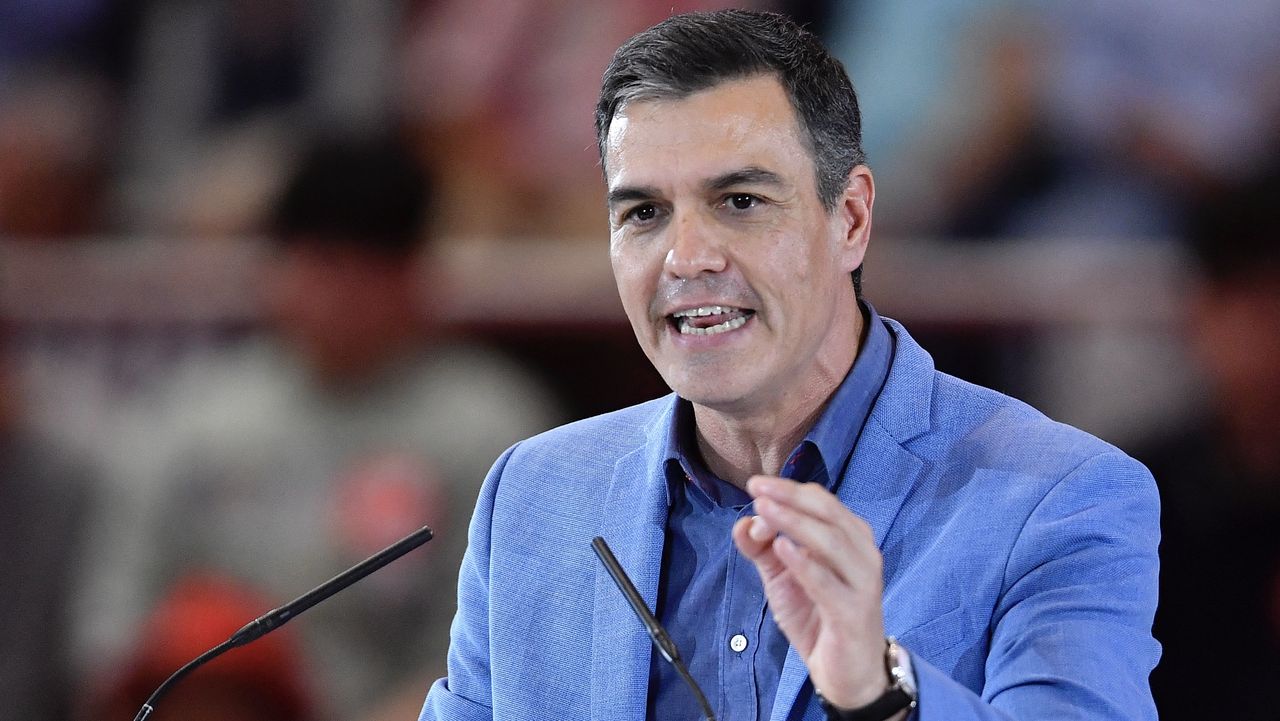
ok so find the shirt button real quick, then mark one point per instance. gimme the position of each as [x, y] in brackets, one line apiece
[738, 643]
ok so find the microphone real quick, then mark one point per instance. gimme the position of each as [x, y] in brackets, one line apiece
[278, 617]
[661, 639]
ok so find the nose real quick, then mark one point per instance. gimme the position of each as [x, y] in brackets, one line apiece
[693, 250]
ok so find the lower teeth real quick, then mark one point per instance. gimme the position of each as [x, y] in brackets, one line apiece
[728, 325]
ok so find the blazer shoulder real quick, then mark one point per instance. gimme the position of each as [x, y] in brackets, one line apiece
[986, 428]
[614, 434]
[586, 449]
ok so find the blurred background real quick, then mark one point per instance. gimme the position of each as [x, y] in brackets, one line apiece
[279, 280]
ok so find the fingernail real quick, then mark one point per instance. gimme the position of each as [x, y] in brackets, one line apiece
[759, 530]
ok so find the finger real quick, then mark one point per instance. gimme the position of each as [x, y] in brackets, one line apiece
[814, 503]
[816, 579]
[754, 539]
[830, 526]
[809, 498]
[805, 496]
[753, 535]
[853, 562]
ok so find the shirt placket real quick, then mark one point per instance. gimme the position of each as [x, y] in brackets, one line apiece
[740, 635]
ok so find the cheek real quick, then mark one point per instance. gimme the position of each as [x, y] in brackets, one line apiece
[790, 266]
[633, 291]
[634, 272]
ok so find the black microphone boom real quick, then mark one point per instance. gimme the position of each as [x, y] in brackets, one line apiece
[656, 632]
[278, 617]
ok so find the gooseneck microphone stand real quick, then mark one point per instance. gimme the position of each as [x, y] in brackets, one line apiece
[278, 617]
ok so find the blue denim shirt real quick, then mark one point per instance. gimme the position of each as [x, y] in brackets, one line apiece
[710, 598]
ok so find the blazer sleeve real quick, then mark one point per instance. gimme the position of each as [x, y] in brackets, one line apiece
[1071, 631]
[465, 694]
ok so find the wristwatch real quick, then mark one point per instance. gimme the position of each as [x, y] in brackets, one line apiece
[901, 694]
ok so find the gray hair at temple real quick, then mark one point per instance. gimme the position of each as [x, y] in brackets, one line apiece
[697, 51]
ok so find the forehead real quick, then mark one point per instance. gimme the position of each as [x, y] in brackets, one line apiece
[735, 124]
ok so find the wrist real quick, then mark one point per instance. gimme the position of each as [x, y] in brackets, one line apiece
[895, 701]
[852, 697]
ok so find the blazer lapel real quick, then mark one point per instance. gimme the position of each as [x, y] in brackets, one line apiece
[883, 472]
[794, 677]
[878, 481]
[633, 523]
[876, 485]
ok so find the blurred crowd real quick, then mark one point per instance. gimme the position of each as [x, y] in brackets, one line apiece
[351, 139]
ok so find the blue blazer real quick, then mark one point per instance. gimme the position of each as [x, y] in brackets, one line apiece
[1019, 558]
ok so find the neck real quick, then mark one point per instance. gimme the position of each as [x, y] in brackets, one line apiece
[737, 449]
[737, 444]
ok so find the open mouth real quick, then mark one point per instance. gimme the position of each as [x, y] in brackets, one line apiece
[709, 319]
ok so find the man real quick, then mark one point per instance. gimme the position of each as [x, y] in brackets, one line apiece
[814, 485]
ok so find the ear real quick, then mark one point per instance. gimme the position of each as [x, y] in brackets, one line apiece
[854, 214]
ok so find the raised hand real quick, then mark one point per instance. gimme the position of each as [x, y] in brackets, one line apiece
[823, 578]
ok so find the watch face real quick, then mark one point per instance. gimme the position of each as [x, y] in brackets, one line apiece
[901, 670]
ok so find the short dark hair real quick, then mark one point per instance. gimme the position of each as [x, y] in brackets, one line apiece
[696, 51]
[365, 193]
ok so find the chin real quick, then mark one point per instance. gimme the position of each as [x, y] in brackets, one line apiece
[715, 392]
[710, 379]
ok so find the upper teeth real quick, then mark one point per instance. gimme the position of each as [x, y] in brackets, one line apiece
[704, 310]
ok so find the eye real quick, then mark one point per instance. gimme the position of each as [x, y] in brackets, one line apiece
[641, 213]
[742, 201]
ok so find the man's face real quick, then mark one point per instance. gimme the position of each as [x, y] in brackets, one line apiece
[734, 276]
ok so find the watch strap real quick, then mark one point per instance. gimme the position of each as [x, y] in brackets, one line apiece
[889, 703]
[900, 695]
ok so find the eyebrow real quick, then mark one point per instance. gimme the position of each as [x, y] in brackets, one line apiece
[629, 193]
[752, 175]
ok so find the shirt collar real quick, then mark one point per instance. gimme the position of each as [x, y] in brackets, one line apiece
[825, 450]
